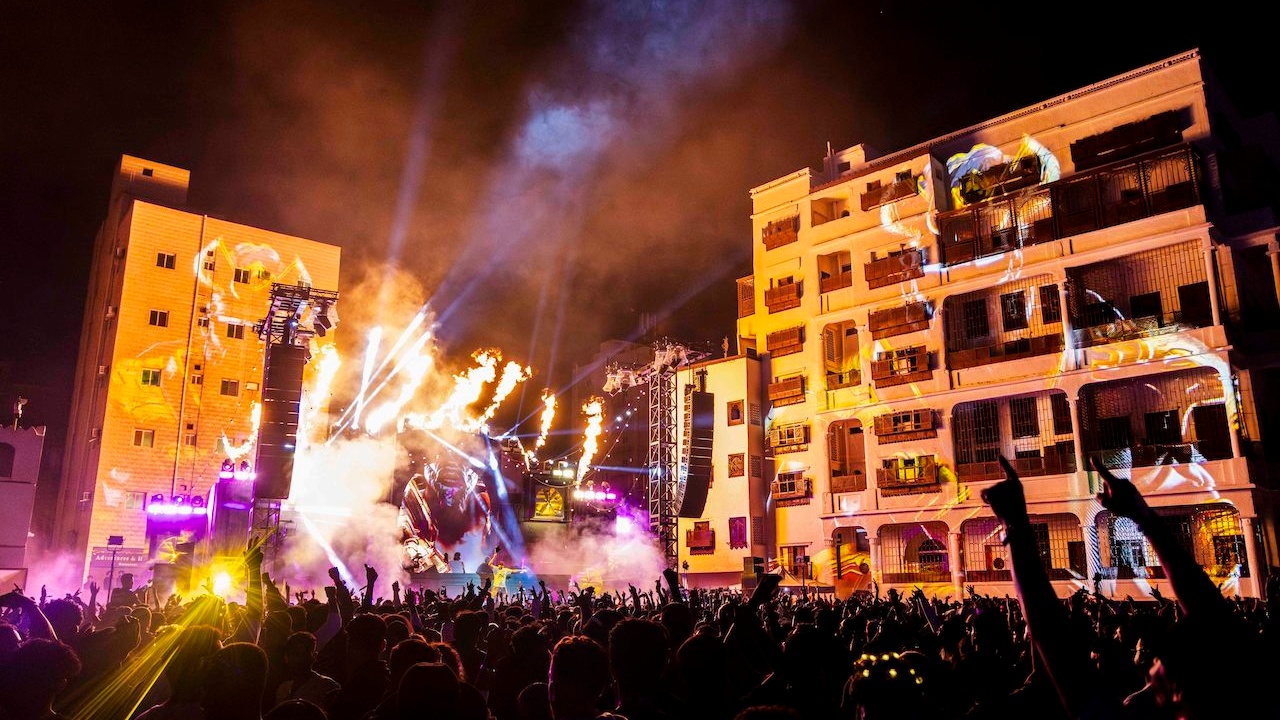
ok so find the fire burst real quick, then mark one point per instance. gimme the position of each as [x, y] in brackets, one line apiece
[594, 410]
[548, 414]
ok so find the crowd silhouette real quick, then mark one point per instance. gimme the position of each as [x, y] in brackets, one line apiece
[659, 653]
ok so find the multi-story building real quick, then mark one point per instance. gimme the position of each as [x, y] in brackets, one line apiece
[1091, 276]
[170, 365]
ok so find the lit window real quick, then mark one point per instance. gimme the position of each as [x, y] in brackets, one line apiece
[134, 500]
[166, 260]
[241, 275]
[235, 331]
[159, 318]
[144, 438]
[151, 377]
[264, 274]
[230, 387]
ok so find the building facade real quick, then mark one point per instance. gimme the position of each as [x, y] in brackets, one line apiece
[1094, 275]
[170, 367]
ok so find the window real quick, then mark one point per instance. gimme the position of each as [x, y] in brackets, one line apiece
[1050, 304]
[241, 276]
[202, 322]
[790, 483]
[235, 331]
[209, 263]
[144, 438]
[1163, 428]
[151, 377]
[134, 500]
[734, 410]
[1061, 413]
[159, 318]
[264, 274]
[1022, 415]
[1013, 310]
[840, 354]
[737, 464]
[197, 378]
[1145, 305]
[975, 319]
[166, 260]
[148, 172]
[189, 439]
[902, 176]
[737, 533]
[230, 387]
[794, 559]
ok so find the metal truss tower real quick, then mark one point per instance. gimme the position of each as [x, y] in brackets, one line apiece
[663, 475]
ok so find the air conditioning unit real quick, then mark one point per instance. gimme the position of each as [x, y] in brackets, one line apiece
[102, 371]
[111, 311]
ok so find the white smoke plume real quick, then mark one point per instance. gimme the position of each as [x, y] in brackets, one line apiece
[608, 553]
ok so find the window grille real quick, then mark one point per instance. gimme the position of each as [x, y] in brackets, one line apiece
[1024, 428]
[968, 322]
[914, 552]
[1140, 295]
[746, 297]
[1212, 534]
[1165, 418]
[734, 412]
[757, 466]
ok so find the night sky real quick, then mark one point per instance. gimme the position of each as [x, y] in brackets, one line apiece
[542, 172]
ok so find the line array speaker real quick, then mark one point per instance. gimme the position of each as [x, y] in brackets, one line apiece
[701, 440]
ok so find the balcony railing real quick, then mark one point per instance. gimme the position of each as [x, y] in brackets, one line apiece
[896, 268]
[1008, 350]
[911, 366]
[829, 283]
[1054, 461]
[700, 543]
[787, 392]
[899, 320]
[1156, 183]
[1150, 455]
[783, 297]
[1121, 329]
[889, 193]
[899, 478]
[847, 481]
[801, 488]
[785, 342]
[847, 378]
[780, 232]
[790, 438]
[904, 427]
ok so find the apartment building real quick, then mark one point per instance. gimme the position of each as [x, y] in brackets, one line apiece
[1093, 275]
[170, 367]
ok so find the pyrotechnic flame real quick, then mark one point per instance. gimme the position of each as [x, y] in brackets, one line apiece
[466, 391]
[548, 414]
[235, 452]
[512, 375]
[594, 410]
[315, 398]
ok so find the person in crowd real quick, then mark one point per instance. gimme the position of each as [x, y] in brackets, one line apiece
[301, 681]
[33, 677]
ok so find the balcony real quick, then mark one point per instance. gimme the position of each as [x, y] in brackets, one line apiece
[831, 283]
[1009, 350]
[783, 297]
[904, 188]
[898, 267]
[900, 367]
[746, 297]
[780, 232]
[1123, 192]
[787, 392]
[1121, 329]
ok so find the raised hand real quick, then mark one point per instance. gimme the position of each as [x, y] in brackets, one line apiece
[1006, 497]
[1119, 494]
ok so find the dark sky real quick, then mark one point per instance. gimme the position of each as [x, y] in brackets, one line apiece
[543, 172]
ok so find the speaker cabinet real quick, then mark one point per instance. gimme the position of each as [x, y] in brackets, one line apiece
[701, 437]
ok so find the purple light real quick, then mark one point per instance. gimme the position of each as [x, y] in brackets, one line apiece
[174, 509]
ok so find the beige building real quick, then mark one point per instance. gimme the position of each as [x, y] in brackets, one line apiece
[170, 367]
[1094, 275]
